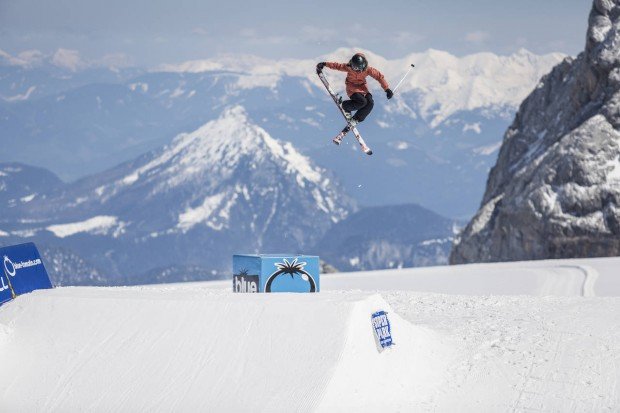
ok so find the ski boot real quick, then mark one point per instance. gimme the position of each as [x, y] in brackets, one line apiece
[346, 130]
[338, 139]
[347, 114]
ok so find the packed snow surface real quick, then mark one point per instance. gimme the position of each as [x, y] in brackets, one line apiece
[507, 337]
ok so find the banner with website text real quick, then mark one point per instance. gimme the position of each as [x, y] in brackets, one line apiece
[22, 271]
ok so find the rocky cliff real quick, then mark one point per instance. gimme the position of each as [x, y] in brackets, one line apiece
[555, 189]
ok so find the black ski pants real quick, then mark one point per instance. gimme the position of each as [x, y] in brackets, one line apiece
[362, 104]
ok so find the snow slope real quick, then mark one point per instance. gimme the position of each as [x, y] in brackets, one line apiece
[200, 347]
[578, 277]
[145, 349]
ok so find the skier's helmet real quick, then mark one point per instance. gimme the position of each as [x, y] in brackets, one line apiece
[358, 62]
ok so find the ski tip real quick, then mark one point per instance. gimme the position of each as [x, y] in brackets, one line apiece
[369, 152]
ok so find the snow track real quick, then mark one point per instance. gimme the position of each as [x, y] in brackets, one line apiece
[197, 347]
[578, 277]
[523, 354]
[167, 349]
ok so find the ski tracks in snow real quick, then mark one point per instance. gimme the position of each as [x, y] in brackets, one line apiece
[523, 354]
[574, 368]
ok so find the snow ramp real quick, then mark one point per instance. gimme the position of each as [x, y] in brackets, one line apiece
[182, 348]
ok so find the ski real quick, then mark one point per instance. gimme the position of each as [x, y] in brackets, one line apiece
[338, 139]
[337, 100]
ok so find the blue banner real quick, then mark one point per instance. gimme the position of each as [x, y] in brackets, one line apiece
[381, 326]
[21, 271]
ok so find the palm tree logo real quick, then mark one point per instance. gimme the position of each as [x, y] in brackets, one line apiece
[291, 268]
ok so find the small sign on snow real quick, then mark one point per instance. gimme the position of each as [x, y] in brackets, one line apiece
[382, 329]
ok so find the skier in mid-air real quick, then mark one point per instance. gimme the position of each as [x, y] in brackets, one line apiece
[361, 99]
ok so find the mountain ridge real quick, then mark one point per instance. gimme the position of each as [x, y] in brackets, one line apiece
[88, 129]
[436, 70]
[394, 236]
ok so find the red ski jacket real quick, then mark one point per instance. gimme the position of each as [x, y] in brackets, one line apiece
[356, 81]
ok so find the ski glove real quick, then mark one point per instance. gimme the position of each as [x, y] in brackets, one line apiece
[389, 93]
[320, 66]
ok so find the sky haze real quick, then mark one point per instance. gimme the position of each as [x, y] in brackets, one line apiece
[148, 33]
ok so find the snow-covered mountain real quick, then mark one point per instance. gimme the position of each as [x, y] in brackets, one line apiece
[32, 74]
[226, 187]
[397, 236]
[68, 60]
[21, 183]
[62, 58]
[555, 190]
[445, 84]
[440, 133]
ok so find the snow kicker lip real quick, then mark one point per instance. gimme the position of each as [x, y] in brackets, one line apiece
[192, 349]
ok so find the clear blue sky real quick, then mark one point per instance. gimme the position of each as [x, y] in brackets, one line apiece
[150, 32]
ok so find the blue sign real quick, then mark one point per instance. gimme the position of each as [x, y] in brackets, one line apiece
[21, 271]
[382, 329]
[275, 273]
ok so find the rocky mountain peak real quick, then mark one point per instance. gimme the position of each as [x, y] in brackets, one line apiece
[602, 39]
[555, 189]
[219, 148]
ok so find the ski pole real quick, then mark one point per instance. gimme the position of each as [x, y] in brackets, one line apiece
[401, 80]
